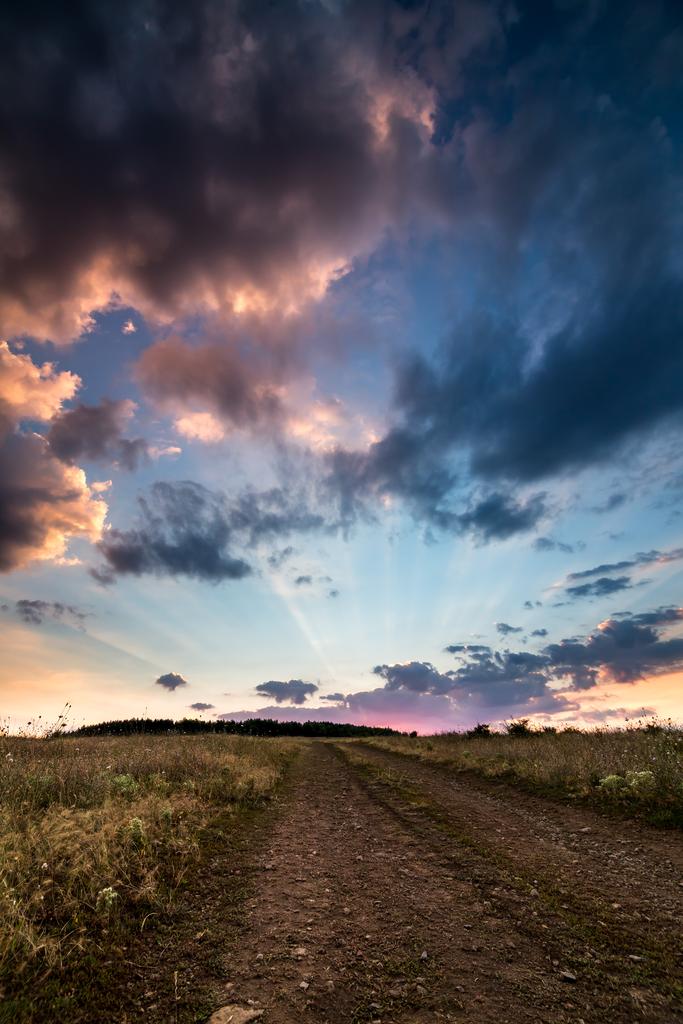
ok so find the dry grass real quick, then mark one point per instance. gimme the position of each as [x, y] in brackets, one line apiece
[97, 835]
[637, 770]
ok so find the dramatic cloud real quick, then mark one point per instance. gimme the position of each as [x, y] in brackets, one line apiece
[578, 192]
[95, 432]
[171, 681]
[184, 530]
[621, 649]
[493, 685]
[420, 676]
[295, 691]
[43, 503]
[402, 465]
[31, 392]
[34, 612]
[202, 158]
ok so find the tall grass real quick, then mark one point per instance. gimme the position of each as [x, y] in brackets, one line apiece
[637, 770]
[97, 834]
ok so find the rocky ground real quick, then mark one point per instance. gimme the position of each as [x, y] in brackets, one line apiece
[383, 889]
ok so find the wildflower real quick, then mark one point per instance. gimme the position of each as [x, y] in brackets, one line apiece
[641, 782]
[136, 831]
[106, 900]
[125, 785]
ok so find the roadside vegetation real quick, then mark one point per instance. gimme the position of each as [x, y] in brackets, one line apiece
[636, 771]
[97, 839]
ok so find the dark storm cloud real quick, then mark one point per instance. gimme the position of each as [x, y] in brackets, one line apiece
[628, 648]
[294, 691]
[201, 706]
[171, 681]
[497, 516]
[504, 628]
[573, 169]
[405, 465]
[185, 529]
[420, 676]
[95, 432]
[34, 612]
[197, 150]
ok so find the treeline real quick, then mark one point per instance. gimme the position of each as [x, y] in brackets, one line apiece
[249, 727]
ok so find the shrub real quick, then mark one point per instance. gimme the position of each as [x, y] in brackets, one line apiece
[642, 783]
[613, 783]
[518, 727]
[481, 730]
[125, 785]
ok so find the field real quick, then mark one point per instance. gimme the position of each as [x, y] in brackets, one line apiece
[97, 839]
[390, 879]
[635, 771]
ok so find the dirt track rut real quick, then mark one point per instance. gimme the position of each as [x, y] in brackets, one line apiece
[391, 891]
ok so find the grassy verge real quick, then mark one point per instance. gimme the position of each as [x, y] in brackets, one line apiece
[97, 838]
[637, 771]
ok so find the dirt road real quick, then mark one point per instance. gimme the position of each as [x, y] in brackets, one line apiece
[392, 891]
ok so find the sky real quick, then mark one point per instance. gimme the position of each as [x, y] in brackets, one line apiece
[341, 372]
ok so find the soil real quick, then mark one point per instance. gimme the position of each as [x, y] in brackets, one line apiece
[382, 889]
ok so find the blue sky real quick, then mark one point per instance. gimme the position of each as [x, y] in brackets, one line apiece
[336, 341]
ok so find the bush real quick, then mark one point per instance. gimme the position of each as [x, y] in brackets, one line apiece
[519, 727]
[481, 729]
